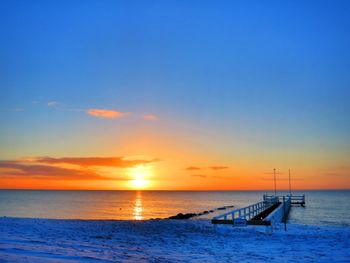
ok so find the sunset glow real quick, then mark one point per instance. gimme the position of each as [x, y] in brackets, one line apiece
[171, 96]
[140, 177]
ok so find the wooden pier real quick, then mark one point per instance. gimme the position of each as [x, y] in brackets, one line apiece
[273, 209]
[295, 199]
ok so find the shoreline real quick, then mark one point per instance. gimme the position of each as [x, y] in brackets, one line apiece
[170, 218]
[195, 240]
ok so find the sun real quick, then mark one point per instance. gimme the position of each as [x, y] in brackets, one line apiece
[140, 177]
[139, 183]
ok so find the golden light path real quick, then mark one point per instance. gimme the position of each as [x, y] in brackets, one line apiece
[140, 175]
[137, 214]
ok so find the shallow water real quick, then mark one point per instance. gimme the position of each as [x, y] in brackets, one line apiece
[322, 207]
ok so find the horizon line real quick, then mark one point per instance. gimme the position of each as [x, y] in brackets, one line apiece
[174, 190]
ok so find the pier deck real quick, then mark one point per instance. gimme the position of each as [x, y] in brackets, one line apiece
[271, 210]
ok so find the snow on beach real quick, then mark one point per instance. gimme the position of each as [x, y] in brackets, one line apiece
[49, 240]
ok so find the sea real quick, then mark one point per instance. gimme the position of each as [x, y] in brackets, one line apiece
[326, 207]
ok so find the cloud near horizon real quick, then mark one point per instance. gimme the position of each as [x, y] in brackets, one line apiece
[52, 167]
[105, 113]
[215, 168]
[193, 168]
[14, 168]
[218, 167]
[120, 162]
[210, 176]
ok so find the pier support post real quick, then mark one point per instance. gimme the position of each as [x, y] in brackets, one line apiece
[284, 213]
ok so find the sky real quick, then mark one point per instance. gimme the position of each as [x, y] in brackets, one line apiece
[197, 95]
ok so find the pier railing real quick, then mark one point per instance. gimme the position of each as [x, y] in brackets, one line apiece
[241, 215]
[294, 199]
[280, 214]
[269, 212]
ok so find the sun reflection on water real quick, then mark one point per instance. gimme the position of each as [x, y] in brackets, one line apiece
[138, 207]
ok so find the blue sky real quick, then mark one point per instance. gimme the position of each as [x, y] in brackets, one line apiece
[269, 74]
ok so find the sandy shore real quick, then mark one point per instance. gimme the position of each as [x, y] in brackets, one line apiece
[45, 240]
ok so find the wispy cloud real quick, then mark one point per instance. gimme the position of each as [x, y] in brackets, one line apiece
[120, 162]
[52, 104]
[210, 176]
[105, 113]
[193, 168]
[150, 117]
[214, 168]
[101, 113]
[218, 167]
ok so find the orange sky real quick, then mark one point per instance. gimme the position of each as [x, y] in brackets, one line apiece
[174, 95]
[172, 165]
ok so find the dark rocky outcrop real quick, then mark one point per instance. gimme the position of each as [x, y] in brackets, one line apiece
[190, 215]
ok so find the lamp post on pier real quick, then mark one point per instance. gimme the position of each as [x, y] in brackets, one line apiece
[290, 184]
[274, 178]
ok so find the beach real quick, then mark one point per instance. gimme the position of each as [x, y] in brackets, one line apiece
[57, 240]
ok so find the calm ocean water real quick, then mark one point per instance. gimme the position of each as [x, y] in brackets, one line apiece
[322, 207]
